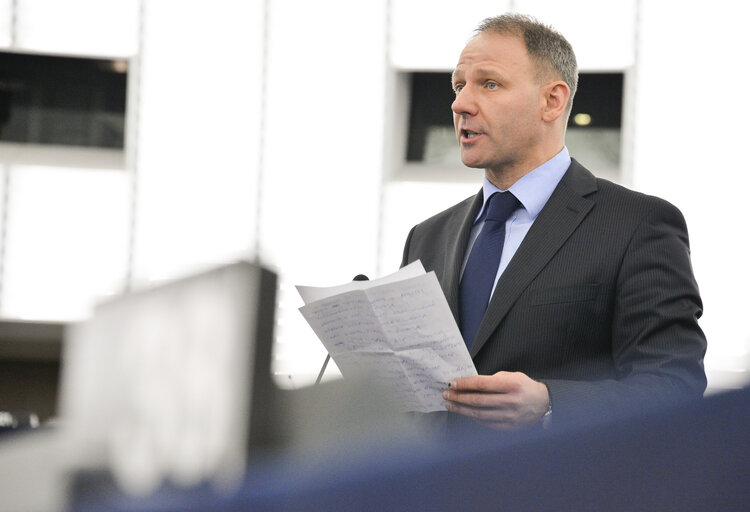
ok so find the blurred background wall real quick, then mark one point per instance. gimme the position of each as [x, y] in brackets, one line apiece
[281, 131]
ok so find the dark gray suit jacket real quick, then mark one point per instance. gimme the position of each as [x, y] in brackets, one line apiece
[599, 302]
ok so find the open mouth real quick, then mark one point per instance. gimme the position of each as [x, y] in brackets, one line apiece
[468, 134]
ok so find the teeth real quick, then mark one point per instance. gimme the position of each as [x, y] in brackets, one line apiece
[469, 134]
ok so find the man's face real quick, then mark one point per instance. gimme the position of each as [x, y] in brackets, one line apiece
[498, 107]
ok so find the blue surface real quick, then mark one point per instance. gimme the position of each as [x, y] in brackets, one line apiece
[693, 457]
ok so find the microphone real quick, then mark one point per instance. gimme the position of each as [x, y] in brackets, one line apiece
[358, 277]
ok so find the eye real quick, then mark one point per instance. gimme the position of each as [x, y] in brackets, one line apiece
[457, 88]
[492, 86]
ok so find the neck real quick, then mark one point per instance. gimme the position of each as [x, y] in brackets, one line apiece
[504, 176]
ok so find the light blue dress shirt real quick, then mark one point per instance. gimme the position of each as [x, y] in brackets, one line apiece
[533, 191]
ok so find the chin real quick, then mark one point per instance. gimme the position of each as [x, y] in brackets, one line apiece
[474, 158]
[473, 164]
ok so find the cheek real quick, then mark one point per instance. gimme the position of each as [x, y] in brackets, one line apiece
[520, 117]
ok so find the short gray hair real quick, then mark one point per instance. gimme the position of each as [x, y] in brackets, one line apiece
[547, 47]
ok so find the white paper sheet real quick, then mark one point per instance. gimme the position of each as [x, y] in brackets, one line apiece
[312, 293]
[398, 329]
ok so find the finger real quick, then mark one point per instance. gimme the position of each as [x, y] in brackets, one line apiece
[501, 425]
[497, 419]
[497, 383]
[479, 414]
[482, 400]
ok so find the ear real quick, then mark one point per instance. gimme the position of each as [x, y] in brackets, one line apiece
[554, 99]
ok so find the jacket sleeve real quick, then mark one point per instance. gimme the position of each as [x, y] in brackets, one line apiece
[657, 344]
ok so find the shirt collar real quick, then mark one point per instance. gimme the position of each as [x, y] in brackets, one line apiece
[534, 189]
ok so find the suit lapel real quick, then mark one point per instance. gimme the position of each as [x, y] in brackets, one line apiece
[559, 218]
[461, 223]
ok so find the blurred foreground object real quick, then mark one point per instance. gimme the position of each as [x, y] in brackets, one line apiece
[170, 388]
[159, 384]
[14, 420]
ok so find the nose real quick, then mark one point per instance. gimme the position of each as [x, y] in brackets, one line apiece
[465, 103]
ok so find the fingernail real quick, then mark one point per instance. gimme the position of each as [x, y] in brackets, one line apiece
[445, 395]
[452, 384]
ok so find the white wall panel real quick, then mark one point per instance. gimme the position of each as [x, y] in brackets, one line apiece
[198, 133]
[6, 23]
[323, 155]
[66, 241]
[601, 33]
[430, 34]
[690, 147]
[78, 27]
[4, 178]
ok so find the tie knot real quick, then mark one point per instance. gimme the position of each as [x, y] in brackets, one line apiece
[501, 205]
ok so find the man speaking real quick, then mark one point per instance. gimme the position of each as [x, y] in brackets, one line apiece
[572, 293]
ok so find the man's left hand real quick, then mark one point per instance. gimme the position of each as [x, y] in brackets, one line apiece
[505, 400]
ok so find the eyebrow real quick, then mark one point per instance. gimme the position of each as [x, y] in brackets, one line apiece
[485, 72]
[480, 72]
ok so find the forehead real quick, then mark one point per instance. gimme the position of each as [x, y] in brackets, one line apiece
[502, 52]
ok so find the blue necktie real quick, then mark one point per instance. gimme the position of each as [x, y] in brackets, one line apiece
[481, 267]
